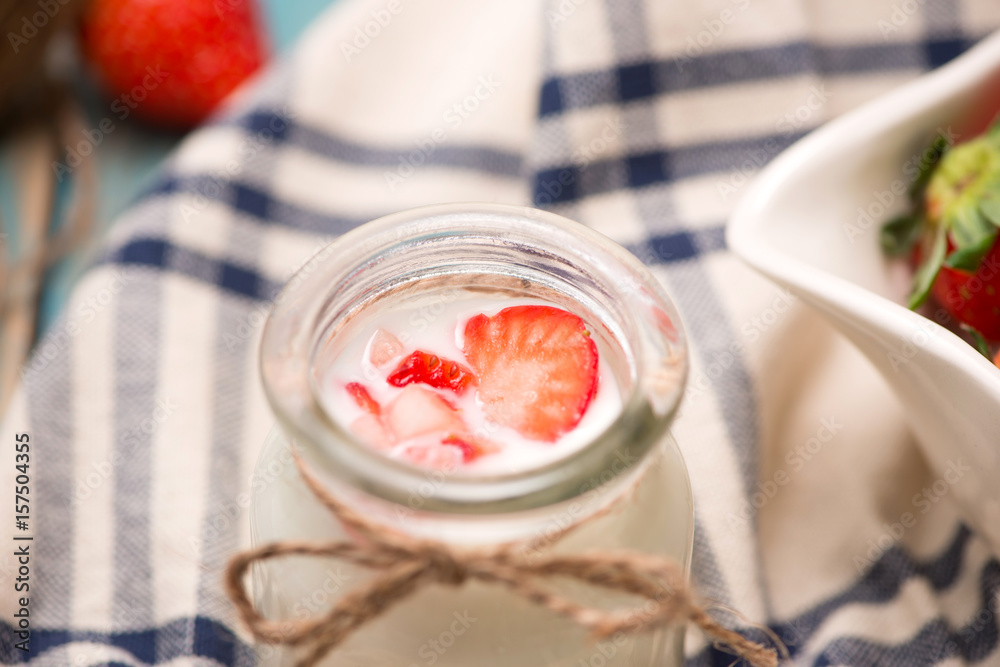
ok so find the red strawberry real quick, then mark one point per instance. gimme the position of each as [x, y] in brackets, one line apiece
[172, 62]
[537, 368]
[364, 400]
[973, 297]
[432, 370]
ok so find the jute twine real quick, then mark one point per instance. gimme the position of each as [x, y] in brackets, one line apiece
[405, 564]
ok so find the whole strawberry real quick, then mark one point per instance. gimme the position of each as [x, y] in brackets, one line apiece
[953, 234]
[171, 62]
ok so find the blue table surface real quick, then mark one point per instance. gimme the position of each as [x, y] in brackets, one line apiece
[127, 158]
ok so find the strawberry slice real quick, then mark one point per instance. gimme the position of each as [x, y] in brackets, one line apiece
[431, 370]
[445, 453]
[364, 399]
[536, 366]
[471, 447]
[418, 411]
[383, 348]
[370, 430]
[432, 454]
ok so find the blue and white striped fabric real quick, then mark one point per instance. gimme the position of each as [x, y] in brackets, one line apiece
[643, 119]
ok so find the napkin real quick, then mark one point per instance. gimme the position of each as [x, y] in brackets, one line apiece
[646, 120]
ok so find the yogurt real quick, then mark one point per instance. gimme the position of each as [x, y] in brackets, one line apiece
[437, 327]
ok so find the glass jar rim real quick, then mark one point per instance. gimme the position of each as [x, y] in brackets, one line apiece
[310, 297]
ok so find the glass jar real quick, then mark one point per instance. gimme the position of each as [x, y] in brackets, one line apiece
[627, 488]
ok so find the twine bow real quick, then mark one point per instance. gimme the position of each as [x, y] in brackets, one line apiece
[405, 564]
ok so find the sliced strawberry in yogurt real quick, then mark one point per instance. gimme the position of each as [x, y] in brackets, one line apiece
[432, 370]
[471, 447]
[537, 368]
[363, 398]
[370, 430]
[383, 348]
[431, 453]
[418, 411]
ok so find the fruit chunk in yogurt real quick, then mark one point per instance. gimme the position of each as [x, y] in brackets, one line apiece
[491, 385]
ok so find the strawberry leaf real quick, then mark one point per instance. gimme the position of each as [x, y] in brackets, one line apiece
[979, 341]
[969, 227]
[899, 235]
[969, 257]
[928, 271]
[990, 208]
[938, 148]
[994, 130]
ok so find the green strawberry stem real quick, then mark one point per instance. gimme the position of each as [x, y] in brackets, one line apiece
[924, 278]
[979, 341]
[970, 257]
[900, 235]
[938, 148]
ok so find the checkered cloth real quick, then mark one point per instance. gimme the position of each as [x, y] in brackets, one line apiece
[643, 119]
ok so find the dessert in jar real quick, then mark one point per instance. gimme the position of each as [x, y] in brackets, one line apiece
[477, 375]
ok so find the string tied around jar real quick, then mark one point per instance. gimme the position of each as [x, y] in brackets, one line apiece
[443, 565]
[405, 564]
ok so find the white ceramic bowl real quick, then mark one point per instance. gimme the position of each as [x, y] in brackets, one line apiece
[800, 225]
